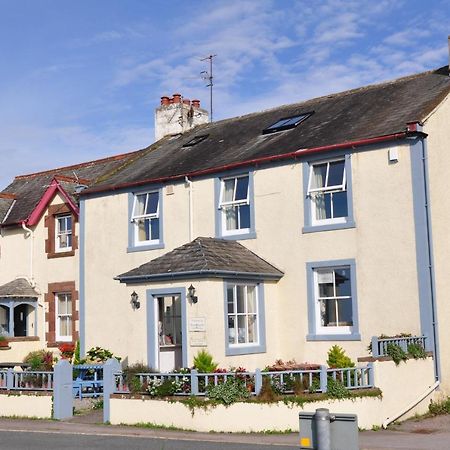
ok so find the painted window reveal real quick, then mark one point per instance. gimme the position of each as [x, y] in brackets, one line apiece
[63, 316]
[146, 218]
[333, 293]
[235, 205]
[63, 233]
[327, 189]
[242, 314]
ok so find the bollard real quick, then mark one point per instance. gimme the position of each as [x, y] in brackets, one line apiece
[322, 421]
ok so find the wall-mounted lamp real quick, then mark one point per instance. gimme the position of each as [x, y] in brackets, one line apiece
[191, 294]
[135, 303]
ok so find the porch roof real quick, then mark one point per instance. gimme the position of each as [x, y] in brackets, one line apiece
[207, 258]
[20, 287]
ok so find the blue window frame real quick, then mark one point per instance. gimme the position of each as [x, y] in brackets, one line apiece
[235, 215]
[332, 300]
[145, 230]
[327, 186]
[245, 325]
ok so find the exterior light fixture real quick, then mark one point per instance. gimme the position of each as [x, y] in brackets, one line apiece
[191, 294]
[135, 303]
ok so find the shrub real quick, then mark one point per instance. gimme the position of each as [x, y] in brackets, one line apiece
[267, 393]
[204, 363]
[130, 379]
[417, 351]
[163, 388]
[396, 353]
[67, 350]
[229, 392]
[337, 359]
[99, 355]
[39, 360]
[336, 389]
[440, 407]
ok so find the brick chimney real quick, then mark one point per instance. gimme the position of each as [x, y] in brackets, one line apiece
[176, 115]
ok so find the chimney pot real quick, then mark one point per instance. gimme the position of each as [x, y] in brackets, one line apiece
[176, 98]
[196, 103]
[165, 100]
[186, 101]
[170, 100]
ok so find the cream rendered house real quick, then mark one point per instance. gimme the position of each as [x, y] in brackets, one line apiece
[277, 234]
[39, 257]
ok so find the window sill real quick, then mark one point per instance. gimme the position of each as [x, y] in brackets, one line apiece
[60, 254]
[245, 350]
[334, 337]
[329, 227]
[22, 338]
[238, 237]
[143, 248]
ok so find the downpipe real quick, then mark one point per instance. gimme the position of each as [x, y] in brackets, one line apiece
[412, 404]
[29, 233]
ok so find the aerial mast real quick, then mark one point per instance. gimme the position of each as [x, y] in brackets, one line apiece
[209, 76]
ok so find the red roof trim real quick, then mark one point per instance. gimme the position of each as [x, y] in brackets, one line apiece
[251, 162]
[48, 196]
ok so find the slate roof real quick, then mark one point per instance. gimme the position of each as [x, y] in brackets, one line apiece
[204, 257]
[28, 189]
[20, 287]
[371, 111]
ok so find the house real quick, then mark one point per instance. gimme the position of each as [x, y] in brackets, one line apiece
[276, 234]
[272, 235]
[39, 256]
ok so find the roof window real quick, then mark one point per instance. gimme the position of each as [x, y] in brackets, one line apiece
[196, 140]
[286, 123]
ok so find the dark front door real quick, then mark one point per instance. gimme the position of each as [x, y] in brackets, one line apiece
[20, 320]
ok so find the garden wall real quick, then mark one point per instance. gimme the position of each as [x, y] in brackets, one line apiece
[26, 404]
[400, 385]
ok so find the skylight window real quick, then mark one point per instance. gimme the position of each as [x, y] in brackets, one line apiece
[286, 123]
[196, 140]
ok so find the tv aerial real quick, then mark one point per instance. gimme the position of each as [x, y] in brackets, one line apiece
[208, 76]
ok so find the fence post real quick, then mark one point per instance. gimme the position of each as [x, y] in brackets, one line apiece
[62, 390]
[375, 351]
[371, 368]
[110, 368]
[10, 379]
[194, 382]
[258, 381]
[323, 379]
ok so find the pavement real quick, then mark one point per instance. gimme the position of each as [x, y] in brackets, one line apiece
[425, 434]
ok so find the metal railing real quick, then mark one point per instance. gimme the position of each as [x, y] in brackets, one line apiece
[31, 380]
[285, 382]
[380, 345]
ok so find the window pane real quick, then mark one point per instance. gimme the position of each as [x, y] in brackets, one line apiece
[69, 223]
[326, 290]
[61, 224]
[252, 329]
[65, 326]
[319, 174]
[69, 240]
[343, 286]
[231, 217]
[340, 204]
[62, 305]
[154, 229]
[244, 216]
[328, 312]
[241, 329]
[319, 202]
[152, 204]
[230, 300]
[336, 173]
[231, 330]
[345, 312]
[140, 205]
[251, 299]
[228, 190]
[4, 320]
[240, 299]
[242, 188]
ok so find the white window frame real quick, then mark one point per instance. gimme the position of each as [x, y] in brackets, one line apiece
[223, 205]
[59, 316]
[321, 329]
[327, 190]
[66, 233]
[235, 314]
[136, 217]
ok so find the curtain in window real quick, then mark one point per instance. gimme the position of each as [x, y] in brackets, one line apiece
[318, 181]
[230, 211]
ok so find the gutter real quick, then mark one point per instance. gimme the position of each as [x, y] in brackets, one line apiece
[198, 274]
[255, 161]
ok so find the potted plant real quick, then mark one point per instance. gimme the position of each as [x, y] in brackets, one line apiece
[4, 343]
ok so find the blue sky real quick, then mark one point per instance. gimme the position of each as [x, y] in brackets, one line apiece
[79, 80]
